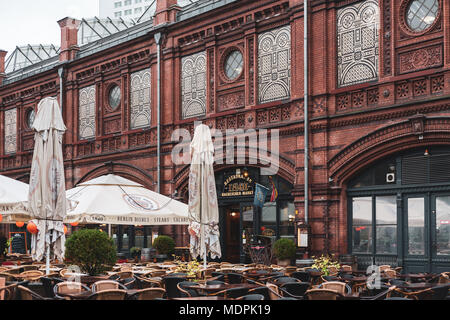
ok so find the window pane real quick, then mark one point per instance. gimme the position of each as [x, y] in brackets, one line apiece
[269, 220]
[386, 210]
[387, 239]
[443, 225]
[287, 216]
[416, 226]
[362, 239]
[362, 211]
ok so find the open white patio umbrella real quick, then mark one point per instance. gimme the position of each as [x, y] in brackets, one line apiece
[112, 199]
[47, 195]
[203, 207]
[13, 200]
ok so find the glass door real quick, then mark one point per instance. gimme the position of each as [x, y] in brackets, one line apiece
[440, 232]
[416, 246]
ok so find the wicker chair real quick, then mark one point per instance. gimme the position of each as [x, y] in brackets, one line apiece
[346, 268]
[8, 292]
[337, 286]
[3, 269]
[187, 292]
[158, 273]
[232, 293]
[148, 294]
[390, 273]
[251, 297]
[263, 290]
[144, 283]
[303, 276]
[68, 287]
[27, 294]
[435, 293]
[384, 267]
[322, 294]
[31, 275]
[294, 289]
[114, 294]
[274, 291]
[9, 277]
[107, 285]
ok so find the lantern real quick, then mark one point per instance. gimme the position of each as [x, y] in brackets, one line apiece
[65, 229]
[74, 224]
[1, 218]
[20, 224]
[32, 228]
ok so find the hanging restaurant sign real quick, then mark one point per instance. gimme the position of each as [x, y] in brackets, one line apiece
[238, 185]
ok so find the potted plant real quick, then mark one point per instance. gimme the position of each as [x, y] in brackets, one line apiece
[284, 250]
[165, 247]
[135, 253]
[92, 251]
[326, 264]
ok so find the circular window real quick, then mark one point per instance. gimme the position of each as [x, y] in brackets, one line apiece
[114, 97]
[30, 117]
[421, 14]
[234, 65]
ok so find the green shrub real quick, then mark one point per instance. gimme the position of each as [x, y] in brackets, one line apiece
[135, 251]
[284, 249]
[164, 245]
[91, 250]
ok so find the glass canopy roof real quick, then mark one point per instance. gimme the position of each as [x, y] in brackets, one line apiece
[94, 29]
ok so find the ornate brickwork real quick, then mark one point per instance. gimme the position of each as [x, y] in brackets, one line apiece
[420, 59]
[274, 65]
[140, 92]
[86, 113]
[193, 85]
[357, 34]
[10, 131]
[231, 100]
[387, 25]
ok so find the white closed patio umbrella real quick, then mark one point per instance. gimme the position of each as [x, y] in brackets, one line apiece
[13, 200]
[203, 207]
[112, 199]
[47, 194]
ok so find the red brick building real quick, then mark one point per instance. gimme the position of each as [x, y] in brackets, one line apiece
[379, 106]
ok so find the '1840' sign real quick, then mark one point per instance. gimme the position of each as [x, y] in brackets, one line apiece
[238, 185]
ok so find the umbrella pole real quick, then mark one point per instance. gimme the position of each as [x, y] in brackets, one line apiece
[47, 262]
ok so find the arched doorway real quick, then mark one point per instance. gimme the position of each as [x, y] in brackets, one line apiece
[239, 218]
[399, 211]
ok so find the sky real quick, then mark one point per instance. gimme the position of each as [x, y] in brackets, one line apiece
[25, 22]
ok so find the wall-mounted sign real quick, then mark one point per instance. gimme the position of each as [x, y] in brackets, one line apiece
[237, 185]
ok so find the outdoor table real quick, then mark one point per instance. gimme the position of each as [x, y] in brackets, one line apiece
[417, 286]
[416, 277]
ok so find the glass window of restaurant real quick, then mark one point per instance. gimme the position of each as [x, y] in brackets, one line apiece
[396, 211]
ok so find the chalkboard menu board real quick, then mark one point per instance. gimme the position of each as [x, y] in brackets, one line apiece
[18, 242]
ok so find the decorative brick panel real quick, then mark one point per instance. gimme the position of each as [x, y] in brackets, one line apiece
[11, 131]
[193, 85]
[420, 59]
[274, 65]
[357, 34]
[86, 113]
[140, 93]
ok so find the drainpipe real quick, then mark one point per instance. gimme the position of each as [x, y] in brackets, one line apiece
[61, 74]
[158, 116]
[306, 116]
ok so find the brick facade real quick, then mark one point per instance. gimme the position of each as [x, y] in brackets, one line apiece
[351, 126]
